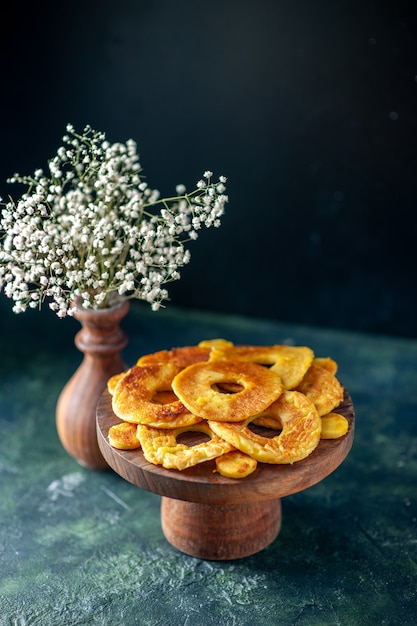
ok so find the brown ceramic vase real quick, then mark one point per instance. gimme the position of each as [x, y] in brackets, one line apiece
[101, 340]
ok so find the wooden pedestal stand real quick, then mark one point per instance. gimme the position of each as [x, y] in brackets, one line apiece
[211, 517]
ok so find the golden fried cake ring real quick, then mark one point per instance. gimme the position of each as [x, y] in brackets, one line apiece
[182, 357]
[112, 382]
[123, 436]
[160, 446]
[333, 426]
[289, 362]
[216, 343]
[236, 464]
[322, 387]
[197, 387]
[135, 397]
[300, 435]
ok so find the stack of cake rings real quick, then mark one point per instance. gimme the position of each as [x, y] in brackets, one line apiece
[251, 404]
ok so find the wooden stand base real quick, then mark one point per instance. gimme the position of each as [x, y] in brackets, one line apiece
[220, 532]
[209, 516]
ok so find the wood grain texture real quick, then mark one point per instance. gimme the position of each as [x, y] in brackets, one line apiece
[203, 484]
[220, 532]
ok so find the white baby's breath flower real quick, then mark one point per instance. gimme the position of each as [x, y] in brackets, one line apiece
[94, 229]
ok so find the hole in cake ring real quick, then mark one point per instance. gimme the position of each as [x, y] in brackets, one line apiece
[160, 446]
[135, 397]
[199, 388]
[300, 435]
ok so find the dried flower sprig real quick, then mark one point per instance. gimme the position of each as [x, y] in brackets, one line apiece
[94, 231]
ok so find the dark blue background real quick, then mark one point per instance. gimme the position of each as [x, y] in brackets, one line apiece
[308, 106]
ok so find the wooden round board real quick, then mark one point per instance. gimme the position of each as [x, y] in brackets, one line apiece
[203, 484]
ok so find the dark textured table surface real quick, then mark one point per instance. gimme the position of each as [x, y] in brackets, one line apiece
[85, 547]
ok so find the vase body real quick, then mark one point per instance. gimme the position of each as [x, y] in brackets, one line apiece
[101, 340]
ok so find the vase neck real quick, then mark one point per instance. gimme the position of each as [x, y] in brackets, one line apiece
[101, 334]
